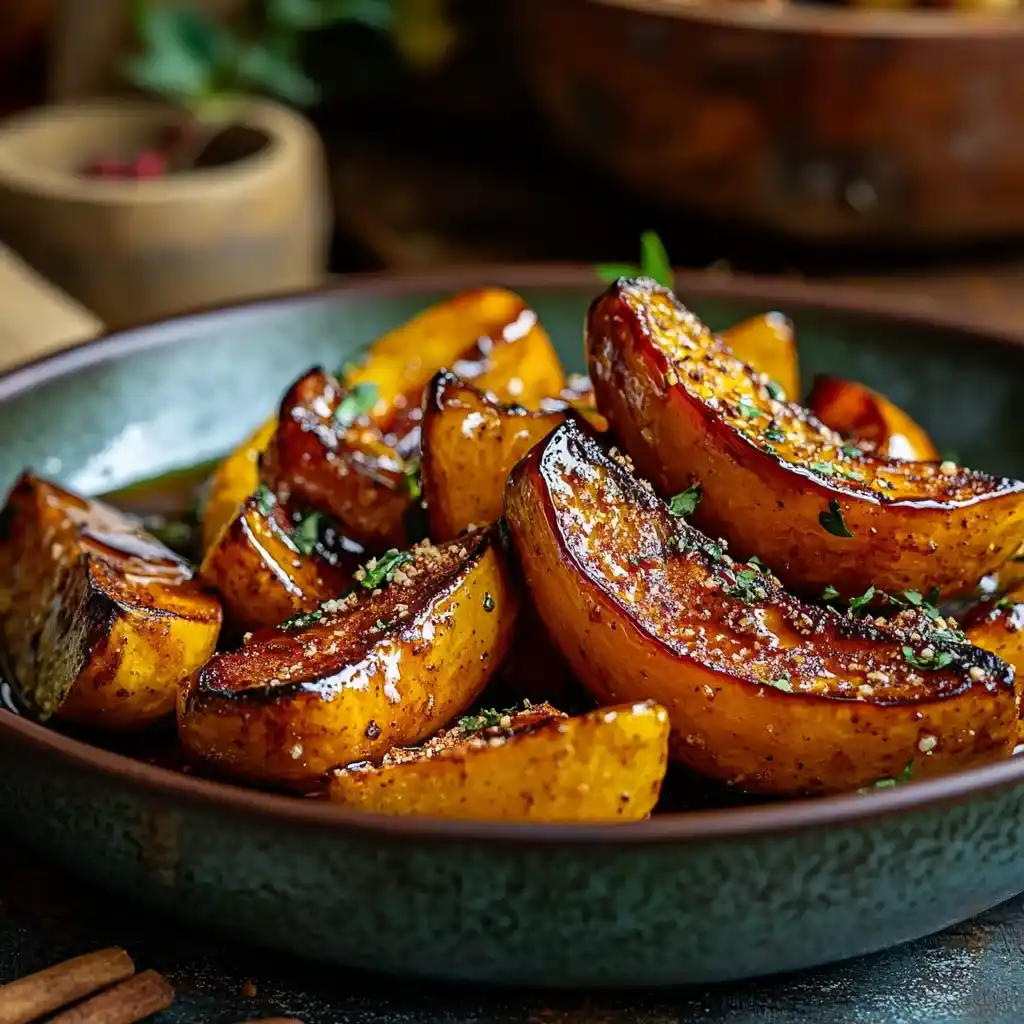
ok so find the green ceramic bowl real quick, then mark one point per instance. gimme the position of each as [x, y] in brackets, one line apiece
[682, 898]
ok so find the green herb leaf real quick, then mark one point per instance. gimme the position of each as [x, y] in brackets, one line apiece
[784, 683]
[775, 390]
[359, 401]
[776, 435]
[857, 604]
[747, 410]
[488, 718]
[939, 660]
[303, 620]
[307, 533]
[758, 564]
[685, 503]
[380, 625]
[822, 468]
[829, 593]
[832, 521]
[265, 500]
[411, 476]
[851, 451]
[654, 261]
[749, 587]
[384, 569]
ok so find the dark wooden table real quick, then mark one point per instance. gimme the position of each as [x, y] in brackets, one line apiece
[972, 974]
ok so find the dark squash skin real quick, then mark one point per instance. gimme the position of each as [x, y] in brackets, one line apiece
[860, 413]
[100, 622]
[469, 446]
[349, 471]
[997, 625]
[535, 765]
[385, 668]
[686, 410]
[260, 575]
[763, 692]
[768, 343]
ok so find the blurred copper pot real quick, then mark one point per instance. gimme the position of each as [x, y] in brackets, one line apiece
[823, 123]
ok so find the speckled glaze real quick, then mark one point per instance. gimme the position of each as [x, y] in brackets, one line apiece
[697, 897]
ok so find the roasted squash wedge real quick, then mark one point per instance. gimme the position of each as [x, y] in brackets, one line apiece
[768, 344]
[997, 625]
[776, 482]
[233, 481]
[763, 692]
[267, 568]
[99, 622]
[534, 765]
[860, 413]
[326, 455]
[488, 336]
[469, 446]
[384, 666]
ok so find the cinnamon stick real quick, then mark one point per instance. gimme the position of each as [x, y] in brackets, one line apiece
[133, 1000]
[37, 994]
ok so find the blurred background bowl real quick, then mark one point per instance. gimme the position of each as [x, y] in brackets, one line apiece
[822, 123]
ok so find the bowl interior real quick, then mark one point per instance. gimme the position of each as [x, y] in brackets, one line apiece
[168, 396]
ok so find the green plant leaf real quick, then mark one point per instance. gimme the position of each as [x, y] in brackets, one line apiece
[654, 261]
[276, 71]
[611, 272]
[309, 15]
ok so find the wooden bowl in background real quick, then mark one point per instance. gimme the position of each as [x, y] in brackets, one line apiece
[823, 123]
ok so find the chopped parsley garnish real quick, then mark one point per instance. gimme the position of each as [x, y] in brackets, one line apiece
[488, 718]
[850, 473]
[776, 435]
[686, 502]
[265, 500]
[758, 564]
[413, 484]
[775, 390]
[904, 776]
[380, 625]
[948, 636]
[303, 620]
[747, 410]
[359, 401]
[749, 587]
[1004, 603]
[832, 521]
[851, 451]
[384, 569]
[829, 594]
[858, 604]
[307, 533]
[938, 660]
[784, 683]
[488, 602]
[822, 468]
[654, 263]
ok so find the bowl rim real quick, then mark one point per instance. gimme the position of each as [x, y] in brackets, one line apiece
[823, 20]
[683, 827]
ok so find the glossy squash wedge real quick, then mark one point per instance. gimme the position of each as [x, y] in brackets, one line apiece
[99, 622]
[267, 568]
[997, 625]
[763, 691]
[387, 665]
[860, 413]
[768, 343]
[469, 446]
[327, 455]
[776, 482]
[531, 765]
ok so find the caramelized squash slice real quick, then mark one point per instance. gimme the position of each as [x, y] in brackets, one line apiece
[266, 569]
[998, 626]
[326, 455]
[99, 622]
[768, 343]
[777, 483]
[534, 765]
[233, 481]
[487, 335]
[386, 665]
[762, 691]
[470, 444]
[860, 413]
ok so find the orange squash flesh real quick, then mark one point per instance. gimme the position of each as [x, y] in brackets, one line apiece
[376, 669]
[686, 410]
[469, 446]
[768, 343]
[100, 623]
[762, 691]
[260, 574]
[998, 626]
[860, 413]
[537, 765]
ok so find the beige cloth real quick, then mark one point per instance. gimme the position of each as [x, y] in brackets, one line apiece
[36, 317]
